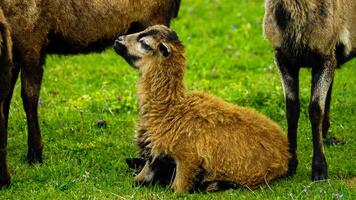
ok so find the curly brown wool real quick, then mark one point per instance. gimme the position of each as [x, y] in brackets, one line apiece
[205, 136]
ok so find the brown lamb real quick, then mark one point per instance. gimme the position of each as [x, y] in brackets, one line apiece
[321, 35]
[207, 138]
[41, 27]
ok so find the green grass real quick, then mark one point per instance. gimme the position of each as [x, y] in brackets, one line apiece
[227, 56]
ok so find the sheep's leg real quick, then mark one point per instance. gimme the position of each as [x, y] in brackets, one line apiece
[4, 90]
[290, 81]
[31, 78]
[329, 140]
[4, 173]
[5, 100]
[14, 75]
[7, 81]
[186, 174]
[326, 121]
[321, 83]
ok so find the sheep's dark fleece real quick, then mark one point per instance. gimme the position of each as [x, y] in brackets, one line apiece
[320, 34]
[39, 27]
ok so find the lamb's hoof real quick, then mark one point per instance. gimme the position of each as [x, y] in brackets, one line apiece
[34, 156]
[292, 166]
[214, 186]
[4, 178]
[330, 141]
[319, 169]
[135, 163]
[179, 189]
[139, 181]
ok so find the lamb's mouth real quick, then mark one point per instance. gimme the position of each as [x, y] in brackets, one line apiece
[121, 50]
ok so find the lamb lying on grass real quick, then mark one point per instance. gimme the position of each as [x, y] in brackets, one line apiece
[209, 140]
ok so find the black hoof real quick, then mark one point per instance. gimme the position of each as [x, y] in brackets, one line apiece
[135, 163]
[4, 183]
[292, 166]
[4, 177]
[34, 156]
[319, 175]
[330, 141]
[319, 170]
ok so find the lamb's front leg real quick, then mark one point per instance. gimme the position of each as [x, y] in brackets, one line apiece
[146, 175]
[185, 176]
[135, 163]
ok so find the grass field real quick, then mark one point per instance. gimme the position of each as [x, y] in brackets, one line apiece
[227, 56]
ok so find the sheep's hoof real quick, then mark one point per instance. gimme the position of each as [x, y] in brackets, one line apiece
[319, 175]
[135, 163]
[34, 155]
[292, 166]
[330, 141]
[4, 177]
[319, 169]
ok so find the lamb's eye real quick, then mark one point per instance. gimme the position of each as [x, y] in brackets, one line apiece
[146, 46]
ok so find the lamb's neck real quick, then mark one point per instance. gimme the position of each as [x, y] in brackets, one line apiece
[160, 87]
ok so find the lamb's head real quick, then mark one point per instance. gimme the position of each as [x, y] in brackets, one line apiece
[155, 45]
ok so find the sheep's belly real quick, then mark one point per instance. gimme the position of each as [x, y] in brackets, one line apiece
[60, 45]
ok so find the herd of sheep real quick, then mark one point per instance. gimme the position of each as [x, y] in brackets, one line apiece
[188, 140]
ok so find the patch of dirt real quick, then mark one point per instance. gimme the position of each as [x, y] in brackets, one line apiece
[351, 183]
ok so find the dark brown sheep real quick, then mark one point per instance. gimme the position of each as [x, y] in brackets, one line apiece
[209, 140]
[64, 27]
[320, 34]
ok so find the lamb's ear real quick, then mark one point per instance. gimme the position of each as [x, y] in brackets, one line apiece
[164, 49]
